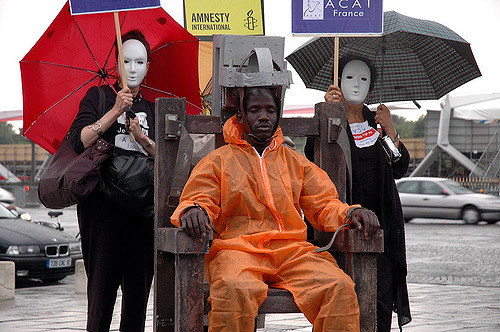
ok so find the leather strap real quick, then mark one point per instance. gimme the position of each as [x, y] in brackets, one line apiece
[182, 167]
[338, 134]
[345, 145]
[102, 101]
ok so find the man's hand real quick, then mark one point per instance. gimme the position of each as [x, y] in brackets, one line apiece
[365, 219]
[195, 223]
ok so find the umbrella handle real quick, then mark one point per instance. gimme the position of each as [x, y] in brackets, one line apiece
[119, 45]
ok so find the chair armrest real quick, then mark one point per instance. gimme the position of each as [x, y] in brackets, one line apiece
[176, 241]
[352, 240]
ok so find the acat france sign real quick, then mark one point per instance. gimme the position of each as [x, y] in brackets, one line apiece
[337, 17]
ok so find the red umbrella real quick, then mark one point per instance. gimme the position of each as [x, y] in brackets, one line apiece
[76, 52]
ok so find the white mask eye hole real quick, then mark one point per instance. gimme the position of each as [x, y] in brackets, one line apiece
[349, 77]
[364, 79]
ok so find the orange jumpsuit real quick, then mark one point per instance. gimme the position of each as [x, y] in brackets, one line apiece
[255, 205]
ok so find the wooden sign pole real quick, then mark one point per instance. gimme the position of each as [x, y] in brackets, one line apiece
[120, 51]
[336, 62]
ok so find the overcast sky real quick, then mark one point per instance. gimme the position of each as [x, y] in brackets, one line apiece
[22, 22]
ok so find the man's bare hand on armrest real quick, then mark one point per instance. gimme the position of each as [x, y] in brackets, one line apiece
[195, 223]
[365, 219]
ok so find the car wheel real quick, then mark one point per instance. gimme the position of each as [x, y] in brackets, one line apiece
[470, 215]
[492, 222]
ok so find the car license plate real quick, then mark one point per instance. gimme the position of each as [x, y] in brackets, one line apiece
[59, 262]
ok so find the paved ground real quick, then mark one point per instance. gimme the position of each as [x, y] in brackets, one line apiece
[454, 285]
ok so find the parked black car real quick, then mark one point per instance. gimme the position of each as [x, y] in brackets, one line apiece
[39, 252]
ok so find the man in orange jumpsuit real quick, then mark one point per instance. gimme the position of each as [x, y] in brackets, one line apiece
[253, 190]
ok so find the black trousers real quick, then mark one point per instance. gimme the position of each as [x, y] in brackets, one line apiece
[118, 250]
[385, 292]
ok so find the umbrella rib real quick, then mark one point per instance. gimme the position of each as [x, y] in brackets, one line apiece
[65, 66]
[176, 42]
[60, 101]
[171, 94]
[87, 45]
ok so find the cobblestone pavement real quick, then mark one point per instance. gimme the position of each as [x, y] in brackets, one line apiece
[453, 281]
[454, 254]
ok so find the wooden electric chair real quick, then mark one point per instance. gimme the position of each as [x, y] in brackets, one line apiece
[179, 292]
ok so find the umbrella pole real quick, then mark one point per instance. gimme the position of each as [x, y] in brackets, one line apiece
[120, 51]
[382, 73]
[336, 61]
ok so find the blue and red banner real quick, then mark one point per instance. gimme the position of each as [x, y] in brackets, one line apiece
[102, 6]
[337, 17]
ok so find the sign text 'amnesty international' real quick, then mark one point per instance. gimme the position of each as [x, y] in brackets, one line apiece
[210, 21]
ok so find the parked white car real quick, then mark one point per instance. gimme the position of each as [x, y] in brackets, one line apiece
[440, 198]
[6, 196]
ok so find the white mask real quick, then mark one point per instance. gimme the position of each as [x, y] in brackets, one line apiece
[136, 62]
[355, 82]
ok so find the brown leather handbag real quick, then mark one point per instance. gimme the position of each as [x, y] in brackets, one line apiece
[71, 177]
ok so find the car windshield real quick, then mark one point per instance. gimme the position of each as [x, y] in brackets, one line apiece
[457, 188]
[6, 213]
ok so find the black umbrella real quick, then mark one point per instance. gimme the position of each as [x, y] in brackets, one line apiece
[414, 59]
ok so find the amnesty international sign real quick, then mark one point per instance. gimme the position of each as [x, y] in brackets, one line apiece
[203, 18]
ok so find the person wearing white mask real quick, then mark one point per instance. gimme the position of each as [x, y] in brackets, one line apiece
[373, 185]
[117, 247]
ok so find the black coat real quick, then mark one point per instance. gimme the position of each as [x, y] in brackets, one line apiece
[390, 213]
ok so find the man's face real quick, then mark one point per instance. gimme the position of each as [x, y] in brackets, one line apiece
[355, 82]
[261, 113]
[136, 62]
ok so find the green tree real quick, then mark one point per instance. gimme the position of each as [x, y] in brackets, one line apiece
[8, 135]
[419, 127]
[409, 129]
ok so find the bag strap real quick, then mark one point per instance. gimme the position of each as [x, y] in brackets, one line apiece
[102, 101]
[182, 167]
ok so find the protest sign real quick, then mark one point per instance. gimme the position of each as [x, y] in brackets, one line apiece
[337, 17]
[204, 18]
[79, 7]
